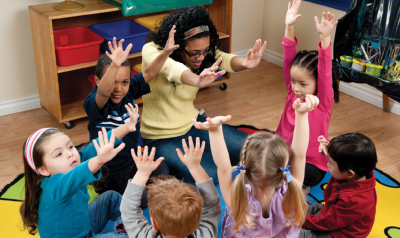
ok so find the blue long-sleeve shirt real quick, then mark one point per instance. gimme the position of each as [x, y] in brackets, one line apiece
[63, 207]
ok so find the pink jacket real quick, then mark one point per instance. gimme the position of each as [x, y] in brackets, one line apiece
[320, 116]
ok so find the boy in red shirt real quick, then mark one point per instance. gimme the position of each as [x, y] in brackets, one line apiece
[350, 196]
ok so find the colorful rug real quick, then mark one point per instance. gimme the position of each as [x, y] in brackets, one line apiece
[387, 220]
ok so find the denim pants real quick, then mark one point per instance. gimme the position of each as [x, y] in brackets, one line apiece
[103, 209]
[166, 148]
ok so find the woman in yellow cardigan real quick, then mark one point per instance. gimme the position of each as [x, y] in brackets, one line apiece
[168, 109]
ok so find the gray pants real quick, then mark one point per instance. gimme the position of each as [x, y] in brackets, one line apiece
[314, 209]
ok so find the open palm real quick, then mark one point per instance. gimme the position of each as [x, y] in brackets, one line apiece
[327, 24]
[291, 14]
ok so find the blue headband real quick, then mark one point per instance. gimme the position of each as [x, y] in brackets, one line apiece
[288, 174]
[238, 170]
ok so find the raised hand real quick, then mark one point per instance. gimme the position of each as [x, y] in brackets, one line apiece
[323, 143]
[254, 55]
[134, 115]
[105, 149]
[118, 55]
[291, 14]
[327, 24]
[145, 163]
[310, 104]
[211, 123]
[170, 45]
[208, 75]
[193, 154]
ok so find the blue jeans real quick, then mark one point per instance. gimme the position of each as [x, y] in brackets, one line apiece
[166, 148]
[104, 208]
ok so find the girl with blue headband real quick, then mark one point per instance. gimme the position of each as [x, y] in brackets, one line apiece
[263, 195]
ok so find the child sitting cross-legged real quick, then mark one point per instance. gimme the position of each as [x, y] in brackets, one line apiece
[176, 208]
[350, 196]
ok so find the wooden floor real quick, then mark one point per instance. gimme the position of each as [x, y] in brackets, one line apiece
[255, 97]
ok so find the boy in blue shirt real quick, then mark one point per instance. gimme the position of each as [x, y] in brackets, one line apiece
[105, 108]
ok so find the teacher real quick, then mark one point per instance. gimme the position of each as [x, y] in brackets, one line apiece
[168, 109]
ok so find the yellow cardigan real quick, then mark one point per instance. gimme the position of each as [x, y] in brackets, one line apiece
[168, 109]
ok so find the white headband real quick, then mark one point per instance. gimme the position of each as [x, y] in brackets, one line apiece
[30, 144]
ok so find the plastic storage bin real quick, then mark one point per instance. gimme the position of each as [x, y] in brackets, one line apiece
[76, 45]
[129, 30]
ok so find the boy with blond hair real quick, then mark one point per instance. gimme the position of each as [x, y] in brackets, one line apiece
[176, 209]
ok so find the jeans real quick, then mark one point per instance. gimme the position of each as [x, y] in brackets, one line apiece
[166, 148]
[313, 175]
[104, 208]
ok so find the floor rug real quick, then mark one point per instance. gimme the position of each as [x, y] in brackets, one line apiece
[387, 220]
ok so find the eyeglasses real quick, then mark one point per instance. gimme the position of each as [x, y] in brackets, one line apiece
[197, 55]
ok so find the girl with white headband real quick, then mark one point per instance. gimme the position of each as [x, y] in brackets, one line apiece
[56, 176]
[263, 195]
[168, 109]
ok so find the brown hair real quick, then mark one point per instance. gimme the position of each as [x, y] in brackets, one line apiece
[30, 206]
[262, 156]
[175, 206]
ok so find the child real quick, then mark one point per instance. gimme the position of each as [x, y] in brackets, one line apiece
[56, 176]
[309, 72]
[104, 107]
[268, 205]
[176, 208]
[350, 196]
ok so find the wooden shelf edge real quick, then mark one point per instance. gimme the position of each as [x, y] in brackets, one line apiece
[222, 35]
[63, 69]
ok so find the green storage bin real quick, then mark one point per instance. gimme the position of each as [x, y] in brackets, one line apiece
[137, 7]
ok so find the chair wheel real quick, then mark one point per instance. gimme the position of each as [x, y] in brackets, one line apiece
[69, 124]
[223, 86]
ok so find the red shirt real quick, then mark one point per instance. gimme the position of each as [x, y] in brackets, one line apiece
[349, 209]
[317, 118]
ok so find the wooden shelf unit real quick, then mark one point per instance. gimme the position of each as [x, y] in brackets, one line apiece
[62, 90]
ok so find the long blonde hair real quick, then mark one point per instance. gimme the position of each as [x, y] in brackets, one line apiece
[262, 156]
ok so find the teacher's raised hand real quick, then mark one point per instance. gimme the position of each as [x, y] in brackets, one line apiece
[254, 55]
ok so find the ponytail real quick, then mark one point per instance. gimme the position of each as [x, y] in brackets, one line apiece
[294, 204]
[240, 204]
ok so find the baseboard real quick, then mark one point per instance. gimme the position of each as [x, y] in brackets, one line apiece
[363, 92]
[241, 53]
[19, 105]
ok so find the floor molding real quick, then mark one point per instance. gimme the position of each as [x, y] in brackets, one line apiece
[241, 53]
[363, 92]
[19, 105]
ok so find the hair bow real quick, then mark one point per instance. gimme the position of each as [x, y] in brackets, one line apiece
[288, 174]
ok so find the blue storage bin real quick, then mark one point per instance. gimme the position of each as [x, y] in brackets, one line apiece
[220, 77]
[129, 30]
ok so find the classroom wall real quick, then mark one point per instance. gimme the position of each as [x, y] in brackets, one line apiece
[17, 63]
[247, 24]
[273, 28]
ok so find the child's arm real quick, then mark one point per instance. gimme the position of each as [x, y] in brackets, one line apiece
[192, 159]
[342, 214]
[291, 18]
[219, 152]
[154, 67]
[106, 84]
[135, 223]
[325, 90]
[301, 136]
[130, 126]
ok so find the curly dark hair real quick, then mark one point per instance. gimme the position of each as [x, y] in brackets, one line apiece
[185, 19]
[309, 61]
